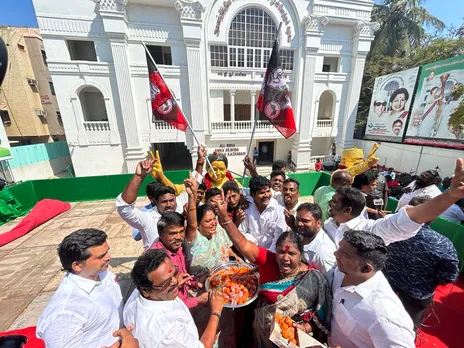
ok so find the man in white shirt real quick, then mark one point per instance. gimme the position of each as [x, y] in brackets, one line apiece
[348, 203]
[453, 214]
[145, 221]
[425, 185]
[291, 196]
[366, 312]
[160, 318]
[87, 306]
[264, 219]
[318, 247]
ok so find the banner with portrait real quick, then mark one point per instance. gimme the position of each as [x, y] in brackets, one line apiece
[390, 104]
[437, 116]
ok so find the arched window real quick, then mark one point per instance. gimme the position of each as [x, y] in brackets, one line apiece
[326, 106]
[93, 105]
[251, 36]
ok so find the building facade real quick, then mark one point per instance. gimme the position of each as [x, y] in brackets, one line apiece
[213, 55]
[28, 105]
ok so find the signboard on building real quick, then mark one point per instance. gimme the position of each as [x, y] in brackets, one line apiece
[390, 104]
[5, 150]
[437, 116]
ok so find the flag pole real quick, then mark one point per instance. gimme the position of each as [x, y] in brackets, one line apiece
[255, 121]
[185, 118]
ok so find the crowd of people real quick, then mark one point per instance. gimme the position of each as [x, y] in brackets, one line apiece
[348, 272]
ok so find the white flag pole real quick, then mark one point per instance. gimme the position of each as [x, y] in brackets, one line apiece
[185, 118]
[254, 124]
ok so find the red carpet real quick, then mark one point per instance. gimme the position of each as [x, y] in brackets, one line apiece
[443, 326]
[43, 211]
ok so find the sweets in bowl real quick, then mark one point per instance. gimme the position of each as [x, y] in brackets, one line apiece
[237, 284]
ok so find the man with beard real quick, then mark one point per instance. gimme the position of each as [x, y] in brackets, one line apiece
[348, 203]
[232, 193]
[87, 306]
[171, 229]
[291, 196]
[160, 318]
[318, 247]
[145, 221]
[324, 194]
[264, 219]
[424, 185]
[366, 312]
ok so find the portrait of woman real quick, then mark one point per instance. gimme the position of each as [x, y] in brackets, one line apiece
[398, 101]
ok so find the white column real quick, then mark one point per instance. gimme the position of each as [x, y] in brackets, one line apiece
[113, 14]
[232, 109]
[363, 34]
[301, 150]
[252, 105]
[191, 20]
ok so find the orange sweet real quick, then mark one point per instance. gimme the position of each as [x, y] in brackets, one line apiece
[235, 285]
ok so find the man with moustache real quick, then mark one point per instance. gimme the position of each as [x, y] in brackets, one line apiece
[264, 219]
[318, 247]
[348, 203]
[324, 194]
[87, 306]
[232, 194]
[291, 196]
[171, 229]
[146, 221]
[159, 316]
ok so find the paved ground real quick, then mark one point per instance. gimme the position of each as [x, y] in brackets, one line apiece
[30, 269]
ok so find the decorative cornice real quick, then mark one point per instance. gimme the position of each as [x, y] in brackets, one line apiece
[314, 23]
[366, 29]
[189, 9]
[71, 27]
[112, 5]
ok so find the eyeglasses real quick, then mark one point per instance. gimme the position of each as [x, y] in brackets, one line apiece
[167, 282]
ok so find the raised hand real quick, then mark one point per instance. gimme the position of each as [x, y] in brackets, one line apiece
[290, 220]
[239, 216]
[144, 168]
[221, 205]
[201, 152]
[191, 185]
[248, 163]
[157, 167]
[457, 183]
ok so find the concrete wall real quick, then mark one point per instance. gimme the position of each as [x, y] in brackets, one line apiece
[405, 157]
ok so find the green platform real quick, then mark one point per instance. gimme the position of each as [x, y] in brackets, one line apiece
[92, 188]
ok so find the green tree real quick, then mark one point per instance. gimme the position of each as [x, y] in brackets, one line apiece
[402, 27]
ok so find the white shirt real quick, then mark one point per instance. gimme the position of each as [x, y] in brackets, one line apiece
[145, 221]
[431, 191]
[82, 313]
[368, 315]
[453, 214]
[161, 324]
[264, 229]
[320, 252]
[392, 228]
[295, 208]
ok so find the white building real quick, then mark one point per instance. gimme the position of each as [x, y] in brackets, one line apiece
[213, 56]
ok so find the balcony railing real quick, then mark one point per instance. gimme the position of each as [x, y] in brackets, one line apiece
[162, 125]
[324, 124]
[323, 158]
[241, 126]
[97, 126]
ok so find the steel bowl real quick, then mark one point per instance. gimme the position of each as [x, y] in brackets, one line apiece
[229, 264]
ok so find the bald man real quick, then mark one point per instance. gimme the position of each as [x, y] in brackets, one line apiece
[324, 194]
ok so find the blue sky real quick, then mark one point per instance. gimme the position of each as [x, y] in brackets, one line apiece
[21, 12]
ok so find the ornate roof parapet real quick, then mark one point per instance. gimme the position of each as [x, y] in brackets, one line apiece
[189, 9]
[366, 29]
[112, 5]
[314, 23]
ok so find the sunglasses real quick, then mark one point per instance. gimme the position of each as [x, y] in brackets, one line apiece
[162, 287]
[378, 104]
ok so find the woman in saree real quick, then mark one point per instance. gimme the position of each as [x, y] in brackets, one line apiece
[209, 246]
[286, 284]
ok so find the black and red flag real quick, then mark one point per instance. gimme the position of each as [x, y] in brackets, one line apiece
[163, 103]
[274, 99]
